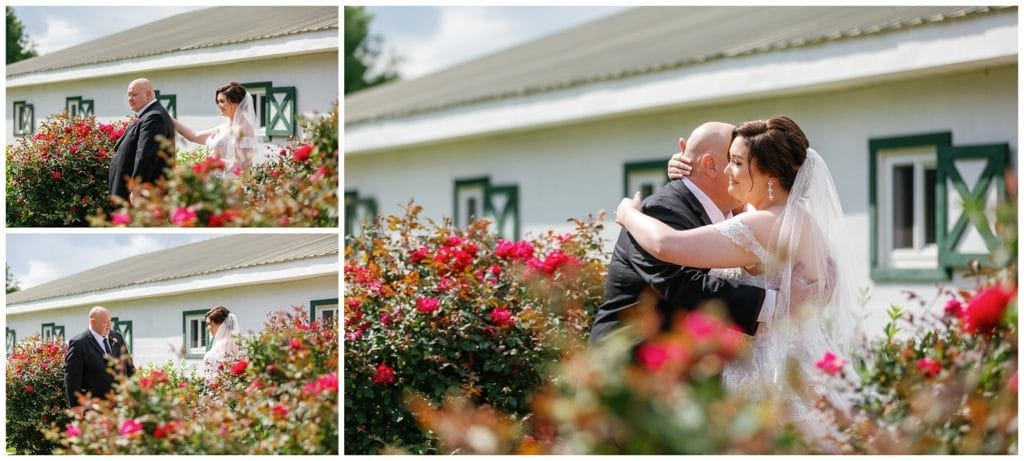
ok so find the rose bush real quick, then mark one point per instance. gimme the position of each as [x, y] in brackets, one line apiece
[58, 176]
[35, 394]
[280, 397]
[297, 187]
[434, 309]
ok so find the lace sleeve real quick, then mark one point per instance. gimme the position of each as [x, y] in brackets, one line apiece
[247, 143]
[743, 237]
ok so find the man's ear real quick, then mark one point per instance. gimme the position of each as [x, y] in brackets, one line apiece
[708, 166]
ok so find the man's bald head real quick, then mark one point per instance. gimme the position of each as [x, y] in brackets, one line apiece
[99, 320]
[140, 93]
[710, 138]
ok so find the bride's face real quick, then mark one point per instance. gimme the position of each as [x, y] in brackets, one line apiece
[227, 108]
[213, 327]
[746, 183]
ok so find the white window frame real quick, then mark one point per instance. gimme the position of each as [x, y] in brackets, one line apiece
[921, 255]
[201, 319]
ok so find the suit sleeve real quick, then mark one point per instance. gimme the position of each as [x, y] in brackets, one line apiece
[148, 149]
[74, 364]
[687, 288]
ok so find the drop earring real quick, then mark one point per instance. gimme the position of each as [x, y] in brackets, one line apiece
[771, 193]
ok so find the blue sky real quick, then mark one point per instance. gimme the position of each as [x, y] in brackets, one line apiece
[430, 38]
[38, 258]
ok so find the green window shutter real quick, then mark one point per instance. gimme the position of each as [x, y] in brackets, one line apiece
[477, 198]
[281, 111]
[502, 205]
[78, 107]
[645, 176]
[970, 185]
[124, 327]
[24, 118]
[323, 309]
[12, 339]
[51, 331]
[170, 103]
[193, 323]
[357, 210]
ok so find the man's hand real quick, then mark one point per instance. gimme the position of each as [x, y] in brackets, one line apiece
[678, 166]
[626, 205]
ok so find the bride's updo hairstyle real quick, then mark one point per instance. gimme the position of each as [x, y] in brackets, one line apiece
[217, 315]
[777, 147]
[233, 91]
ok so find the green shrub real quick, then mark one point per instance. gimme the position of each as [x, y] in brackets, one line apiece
[35, 394]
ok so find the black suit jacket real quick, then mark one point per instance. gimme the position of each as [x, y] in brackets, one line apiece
[85, 365]
[632, 270]
[137, 151]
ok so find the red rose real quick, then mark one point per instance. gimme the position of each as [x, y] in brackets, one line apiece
[928, 367]
[954, 308]
[239, 367]
[385, 375]
[986, 310]
[302, 154]
[427, 305]
[29, 388]
[418, 254]
[56, 176]
[295, 344]
[654, 356]
[279, 411]
[502, 317]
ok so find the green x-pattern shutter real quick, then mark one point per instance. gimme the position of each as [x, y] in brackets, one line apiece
[12, 339]
[952, 230]
[505, 217]
[24, 118]
[281, 110]
[170, 103]
[78, 107]
[358, 209]
[51, 331]
[124, 327]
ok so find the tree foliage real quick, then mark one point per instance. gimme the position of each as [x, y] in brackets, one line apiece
[362, 52]
[19, 46]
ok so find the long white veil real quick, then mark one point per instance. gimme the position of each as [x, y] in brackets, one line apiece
[817, 309]
[224, 347]
[243, 133]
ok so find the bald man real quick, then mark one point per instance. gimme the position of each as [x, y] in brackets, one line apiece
[85, 364]
[698, 200]
[138, 152]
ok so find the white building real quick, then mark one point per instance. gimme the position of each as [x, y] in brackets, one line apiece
[158, 300]
[287, 57]
[913, 108]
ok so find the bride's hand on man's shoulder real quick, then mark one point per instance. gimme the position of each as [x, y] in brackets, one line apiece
[627, 204]
[679, 166]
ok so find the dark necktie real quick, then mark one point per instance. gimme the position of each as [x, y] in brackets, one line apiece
[106, 346]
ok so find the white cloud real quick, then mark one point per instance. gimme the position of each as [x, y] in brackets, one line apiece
[38, 272]
[59, 34]
[463, 33]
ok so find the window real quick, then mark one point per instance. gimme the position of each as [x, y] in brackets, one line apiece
[920, 230]
[78, 107]
[24, 118]
[275, 107]
[477, 198]
[357, 210]
[124, 327]
[12, 339]
[646, 177]
[195, 335]
[323, 309]
[50, 331]
[170, 103]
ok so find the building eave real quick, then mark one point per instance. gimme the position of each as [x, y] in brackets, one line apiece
[291, 45]
[296, 270]
[986, 41]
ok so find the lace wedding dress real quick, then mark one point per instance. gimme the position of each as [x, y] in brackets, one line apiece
[223, 350]
[235, 142]
[791, 338]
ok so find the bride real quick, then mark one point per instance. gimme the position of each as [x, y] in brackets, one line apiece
[234, 141]
[789, 239]
[224, 326]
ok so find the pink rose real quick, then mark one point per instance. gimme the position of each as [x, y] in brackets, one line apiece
[928, 367]
[302, 154]
[986, 309]
[239, 367]
[295, 344]
[831, 364]
[502, 317]
[130, 428]
[121, 219]
[427, 305]
[73, 430]
[184, 217]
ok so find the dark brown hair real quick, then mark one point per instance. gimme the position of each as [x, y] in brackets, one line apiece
[217, 315]
[777, 147]
[233, 91]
